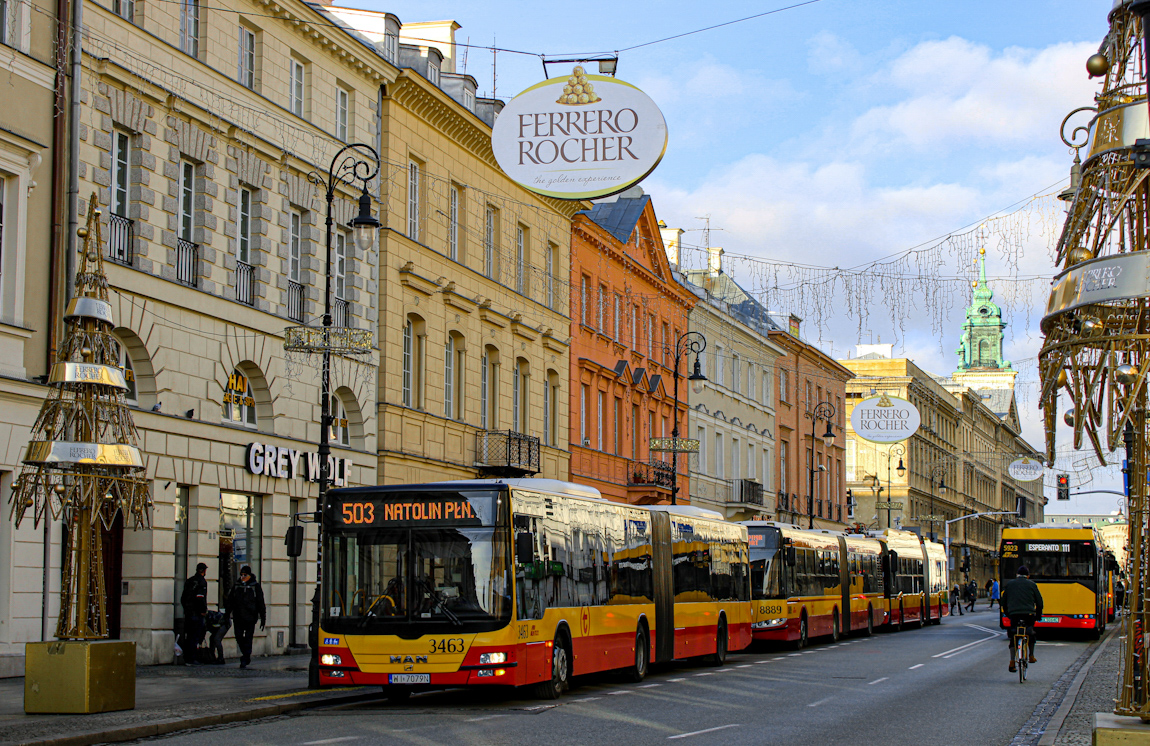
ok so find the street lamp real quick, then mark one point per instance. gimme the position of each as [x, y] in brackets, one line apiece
[822, 411]
[687, 343]
[938, 471]
[900, 451]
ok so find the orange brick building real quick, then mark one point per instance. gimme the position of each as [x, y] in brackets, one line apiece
[627, 310]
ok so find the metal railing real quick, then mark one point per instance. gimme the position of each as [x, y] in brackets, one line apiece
[187, 257]
[295, 301]
[119, 239]
[656, 473]
[339, 312]
[747, 491]
[245, 283]
[506, 453]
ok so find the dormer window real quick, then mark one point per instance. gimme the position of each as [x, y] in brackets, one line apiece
[468, 100]
[391, 47]
[433, 73]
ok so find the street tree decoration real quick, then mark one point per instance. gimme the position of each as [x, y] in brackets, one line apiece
[82, 463]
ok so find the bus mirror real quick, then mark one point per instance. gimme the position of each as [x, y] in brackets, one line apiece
[792, 556]
[294, 541]
[525, 548]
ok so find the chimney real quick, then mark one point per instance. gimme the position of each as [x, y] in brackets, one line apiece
[714, 260]
[671, 242]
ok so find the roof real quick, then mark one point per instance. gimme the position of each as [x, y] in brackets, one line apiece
[719, 286]
[997, 400]
[619, 217]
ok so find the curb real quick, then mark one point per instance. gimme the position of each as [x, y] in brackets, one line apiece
[172, 725]
[1054, 725]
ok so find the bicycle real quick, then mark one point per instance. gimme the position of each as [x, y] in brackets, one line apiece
[1021, 652]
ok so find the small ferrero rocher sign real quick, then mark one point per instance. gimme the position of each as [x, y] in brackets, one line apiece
[580, 136]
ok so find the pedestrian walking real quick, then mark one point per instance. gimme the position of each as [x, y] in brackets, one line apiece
[971, 594]
[194, 599]
[245, 606]
[218, 625]
[994, 594]
[956, 599]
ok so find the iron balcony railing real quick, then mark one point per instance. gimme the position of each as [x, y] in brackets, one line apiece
[187, 257]
[245, 283]
[656, 473]
[506, 453]
[747, 491]
[339, 312]
[295, 301]
[119, 239]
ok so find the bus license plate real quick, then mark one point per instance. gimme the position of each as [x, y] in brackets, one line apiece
[1050, 620]
[409, 678]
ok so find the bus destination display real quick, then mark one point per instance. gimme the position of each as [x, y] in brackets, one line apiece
[452, 511]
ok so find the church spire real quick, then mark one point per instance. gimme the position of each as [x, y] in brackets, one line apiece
[981, 346]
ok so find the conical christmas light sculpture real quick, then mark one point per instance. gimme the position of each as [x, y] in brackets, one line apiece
[82, 462]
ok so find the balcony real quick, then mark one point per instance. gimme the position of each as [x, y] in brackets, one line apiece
[339, 312]
[506, 453]
[120, 239]
[245, 283]
[655, 474]
[187, 257]
[295, 301]
[747, 491]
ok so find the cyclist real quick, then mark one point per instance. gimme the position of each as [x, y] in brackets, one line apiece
[1021, 603]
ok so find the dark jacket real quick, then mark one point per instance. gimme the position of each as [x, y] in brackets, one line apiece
[1021, 596]
[245, 602]
[195, 596]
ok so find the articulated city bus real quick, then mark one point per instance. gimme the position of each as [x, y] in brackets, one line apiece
[906, 582]
[936, 581]
[1069, 567]
[521, 582]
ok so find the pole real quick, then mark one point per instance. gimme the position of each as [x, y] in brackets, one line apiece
[811, 481]
[675, 431]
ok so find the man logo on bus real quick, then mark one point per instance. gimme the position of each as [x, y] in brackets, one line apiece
[408, 659]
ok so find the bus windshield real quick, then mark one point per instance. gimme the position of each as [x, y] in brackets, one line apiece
[395, 576]
[1050, 560]
[766, 573]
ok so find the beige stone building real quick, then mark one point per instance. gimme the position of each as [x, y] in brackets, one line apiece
[734, 416]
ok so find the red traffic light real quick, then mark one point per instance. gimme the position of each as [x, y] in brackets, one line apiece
[1063, 480]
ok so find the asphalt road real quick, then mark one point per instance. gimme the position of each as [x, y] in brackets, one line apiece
[947, 684]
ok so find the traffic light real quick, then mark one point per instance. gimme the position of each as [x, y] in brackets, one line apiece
[1063, 486]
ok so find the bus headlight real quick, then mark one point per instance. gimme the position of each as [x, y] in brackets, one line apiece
[769, 623]
[327, 659]
[488, 658]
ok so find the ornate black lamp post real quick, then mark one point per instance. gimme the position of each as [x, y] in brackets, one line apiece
[900, 451]
[687, 343]
[822, 411]
[937, 474]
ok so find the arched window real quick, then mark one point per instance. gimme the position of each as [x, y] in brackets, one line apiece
[137, 367]
[125, 363]
[414, 339]
[340, 433]
[239, 406]
[489, 389]
[347, 419]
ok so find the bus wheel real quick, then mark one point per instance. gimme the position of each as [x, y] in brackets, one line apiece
[638, 671]
[835, 627]
[560, 672]
[396, 693]
[869, 621]
[923, 619]
[938, 619]
[719, 657]
[802, 641]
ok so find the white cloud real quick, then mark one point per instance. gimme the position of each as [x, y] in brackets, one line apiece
[831, 54]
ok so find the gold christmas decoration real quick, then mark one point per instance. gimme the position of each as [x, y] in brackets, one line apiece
[83, 463]
[579, 90]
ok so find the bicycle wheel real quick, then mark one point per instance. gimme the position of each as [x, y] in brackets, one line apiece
[1020, 656]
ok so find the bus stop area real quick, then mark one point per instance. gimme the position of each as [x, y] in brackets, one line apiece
[171, 698]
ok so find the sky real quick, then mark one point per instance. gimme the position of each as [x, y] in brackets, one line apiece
[840, 132]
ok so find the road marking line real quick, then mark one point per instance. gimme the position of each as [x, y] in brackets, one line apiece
[745, 665]
[474, 720]
[649, 686]
[705, 674]
[794, 655]
[917, 665]
[876, 681]
[700, 732]
[960, 648]
[820, 702]
[341, 739]
[302, 692]
[586, 699]
[676, 679]
[621, 691]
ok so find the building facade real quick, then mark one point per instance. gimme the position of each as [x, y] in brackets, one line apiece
[806, 377]
[734, 416]
[627, 311]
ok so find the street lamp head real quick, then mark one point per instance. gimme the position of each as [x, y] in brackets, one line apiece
[942, 484]
[829, 436]
[901, 470]
[364, 225]
[697, 379]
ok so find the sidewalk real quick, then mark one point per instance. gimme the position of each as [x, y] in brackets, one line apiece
[1097, 694]
[172, 698]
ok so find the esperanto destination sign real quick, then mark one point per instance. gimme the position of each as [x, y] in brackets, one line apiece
[885, 419]
[579, 137]
[1025, 469]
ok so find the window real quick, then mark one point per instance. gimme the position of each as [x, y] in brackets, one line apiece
[453, 224]
[180, 529]
[489, 233]
[239, 402]
[650, 335]
[635, 327]
[190, 27]
[297, 88]
[618, 421]
[468, 99]
[412, 364]
[453, 377]
[584, 292]
[766, 387]
[130, 396]
[391, 46]
[240, 537]
[339, 266]
[736, 466]
[750, 460]
[244, 228]
[520, 260]
[518, 386]
[719, 366]
[126, 9]
[666, 345]
[413, 211]
[784, 381]
[247, 62]
[635, 432]
[736, 383]
[702, 436]
[489, 389]
[783, 466]
[295, 255]
[342, 106]
[617, 317]
[187, 198]
[599, 308]
[751, 379]
[432, 73]
[719, 455]
[121, 156]
[552, 250]
[601, 405]
[339, 430]
[551, 409]
[584, 392]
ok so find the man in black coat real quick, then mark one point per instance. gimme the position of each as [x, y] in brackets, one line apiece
[245, 605]
[194, 599]
[1022, 604]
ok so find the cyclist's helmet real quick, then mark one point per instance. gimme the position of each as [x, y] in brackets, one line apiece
[1024, 571]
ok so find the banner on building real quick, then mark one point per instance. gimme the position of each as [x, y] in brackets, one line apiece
[885, 419]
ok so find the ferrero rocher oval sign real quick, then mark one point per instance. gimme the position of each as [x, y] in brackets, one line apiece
[1025, 469]
[885, 419]
[579, 137]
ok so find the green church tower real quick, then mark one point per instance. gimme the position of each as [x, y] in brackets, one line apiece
[982, 331]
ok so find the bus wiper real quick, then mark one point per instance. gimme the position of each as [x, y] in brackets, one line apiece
[441, 604]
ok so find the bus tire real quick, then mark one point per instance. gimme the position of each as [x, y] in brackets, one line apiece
[835, 627]
[869, 631]
[722, 642]
[801, 643]
[923, 611]
[560, 671]
[638, 671]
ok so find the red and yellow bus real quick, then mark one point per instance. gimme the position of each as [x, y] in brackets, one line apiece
[905, 567]
[936, 581]
[1069, 565]
[521, 582]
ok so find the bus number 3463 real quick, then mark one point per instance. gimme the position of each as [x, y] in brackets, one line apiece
[359, 513]
[447, 645]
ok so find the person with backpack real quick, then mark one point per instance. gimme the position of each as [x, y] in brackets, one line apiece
[956, 595]
[194, 599]
[245, 606]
